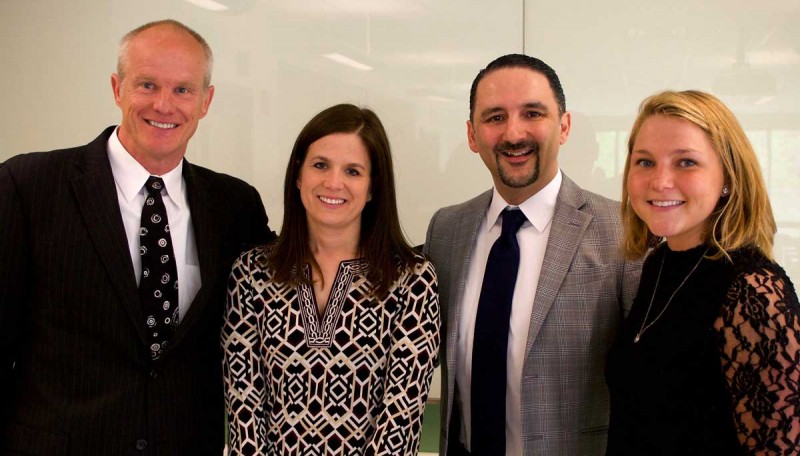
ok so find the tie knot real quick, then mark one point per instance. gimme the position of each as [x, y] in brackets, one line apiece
[154, 184]
[512, 220]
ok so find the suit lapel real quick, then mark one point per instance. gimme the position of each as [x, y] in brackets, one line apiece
[465, 233]
[201, 204]
[96, 197]
[568, 228]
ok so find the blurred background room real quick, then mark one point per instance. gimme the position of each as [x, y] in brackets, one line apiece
[278, 62]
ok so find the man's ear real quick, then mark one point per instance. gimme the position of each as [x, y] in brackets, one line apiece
[473, 144]
[566, 124]
[207, 102]
[116, 86]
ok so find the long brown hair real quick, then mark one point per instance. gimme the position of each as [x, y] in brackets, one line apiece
[382, 243]
[744, 217]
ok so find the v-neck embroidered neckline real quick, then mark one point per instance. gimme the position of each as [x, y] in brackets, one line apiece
[320, 328]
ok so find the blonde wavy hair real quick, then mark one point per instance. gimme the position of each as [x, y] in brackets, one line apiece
[741, 219]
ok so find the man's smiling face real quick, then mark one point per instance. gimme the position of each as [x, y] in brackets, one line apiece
[162, 95]
[517, 129]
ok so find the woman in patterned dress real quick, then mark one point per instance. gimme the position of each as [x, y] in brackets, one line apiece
[331, 332]
[707, 361]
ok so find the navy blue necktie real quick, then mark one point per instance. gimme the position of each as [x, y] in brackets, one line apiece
[490, 341]
[158, 288]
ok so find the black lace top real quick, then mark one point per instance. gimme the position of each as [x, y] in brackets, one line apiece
[718, 372]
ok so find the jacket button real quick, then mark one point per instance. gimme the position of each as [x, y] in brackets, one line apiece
[153, 373]
[141, 444]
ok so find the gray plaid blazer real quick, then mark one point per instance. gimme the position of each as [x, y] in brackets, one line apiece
[585, 289]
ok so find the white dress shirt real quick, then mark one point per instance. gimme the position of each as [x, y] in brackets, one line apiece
[532, 238]
[130, 177]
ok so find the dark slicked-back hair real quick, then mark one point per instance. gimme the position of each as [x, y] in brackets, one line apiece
[520, 61]
[382, 242]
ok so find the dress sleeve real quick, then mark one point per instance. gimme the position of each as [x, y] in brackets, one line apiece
[242, 365]
[415, 344]
[760, 351]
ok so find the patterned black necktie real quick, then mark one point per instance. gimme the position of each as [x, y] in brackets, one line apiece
[158, 288]
[490, 341]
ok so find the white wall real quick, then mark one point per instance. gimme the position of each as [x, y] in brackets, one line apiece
[612, 54]
[271, 77]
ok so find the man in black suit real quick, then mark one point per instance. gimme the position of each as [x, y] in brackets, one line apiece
[79, 371]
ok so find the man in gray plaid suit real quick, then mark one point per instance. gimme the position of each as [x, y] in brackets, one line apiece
[572, 289]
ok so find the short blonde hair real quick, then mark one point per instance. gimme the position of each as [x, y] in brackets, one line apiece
[744, 217]
[122, 56]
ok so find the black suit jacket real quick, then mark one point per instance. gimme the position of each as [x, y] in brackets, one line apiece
[76, 376]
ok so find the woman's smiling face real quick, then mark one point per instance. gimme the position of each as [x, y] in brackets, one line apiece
[675, 180]
[335, 181]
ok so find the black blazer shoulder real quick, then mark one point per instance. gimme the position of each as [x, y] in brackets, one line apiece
[66, 277]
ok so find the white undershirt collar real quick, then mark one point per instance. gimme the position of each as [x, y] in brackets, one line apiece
[131, 175]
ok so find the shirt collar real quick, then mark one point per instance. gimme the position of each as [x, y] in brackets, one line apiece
[538, 209]
[131, 176]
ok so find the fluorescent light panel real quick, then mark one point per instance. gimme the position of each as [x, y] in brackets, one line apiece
[344, 60]
[210, 5]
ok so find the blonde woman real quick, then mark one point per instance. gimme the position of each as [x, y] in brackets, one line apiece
[707, 361]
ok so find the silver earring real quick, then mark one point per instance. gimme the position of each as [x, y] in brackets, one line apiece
[725, 191]
[369, 197]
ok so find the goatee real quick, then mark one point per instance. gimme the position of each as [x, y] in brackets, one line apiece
[518, 181]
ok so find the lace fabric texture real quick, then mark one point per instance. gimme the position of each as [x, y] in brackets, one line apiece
[759, 341]
[719, 371]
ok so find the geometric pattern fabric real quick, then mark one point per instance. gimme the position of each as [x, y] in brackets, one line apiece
[352, 381]
[158, 288]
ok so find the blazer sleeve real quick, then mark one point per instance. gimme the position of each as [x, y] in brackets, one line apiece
[15, 279]
[257, 223]
[415, 343]
[243, 366]
[426, 248]
[631, 273]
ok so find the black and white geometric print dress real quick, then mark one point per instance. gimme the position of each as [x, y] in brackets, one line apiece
[352, 381]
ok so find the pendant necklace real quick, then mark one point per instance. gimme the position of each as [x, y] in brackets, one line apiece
[644, 327]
